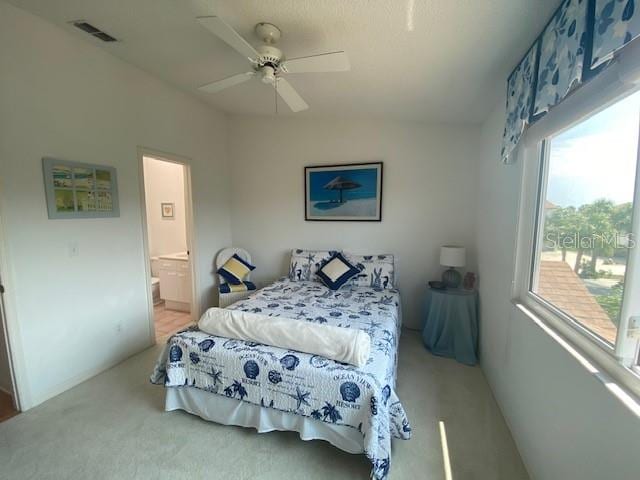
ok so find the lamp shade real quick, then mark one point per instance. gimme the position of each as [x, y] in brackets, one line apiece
[451, 256]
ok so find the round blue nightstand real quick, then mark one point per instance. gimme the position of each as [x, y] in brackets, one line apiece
[451, 324]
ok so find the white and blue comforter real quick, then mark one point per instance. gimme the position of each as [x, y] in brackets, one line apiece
[308, 385]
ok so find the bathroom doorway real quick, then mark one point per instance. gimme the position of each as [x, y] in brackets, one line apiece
[169, 255]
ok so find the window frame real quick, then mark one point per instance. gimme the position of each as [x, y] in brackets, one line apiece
[619, 80]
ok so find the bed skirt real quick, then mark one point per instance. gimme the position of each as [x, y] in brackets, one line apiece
[230, 411]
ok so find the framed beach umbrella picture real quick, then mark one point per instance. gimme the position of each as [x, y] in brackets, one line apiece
[351, 192]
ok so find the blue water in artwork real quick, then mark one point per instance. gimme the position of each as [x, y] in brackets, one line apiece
[366, 177]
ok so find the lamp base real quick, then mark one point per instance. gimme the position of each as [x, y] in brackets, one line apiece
[451, 278]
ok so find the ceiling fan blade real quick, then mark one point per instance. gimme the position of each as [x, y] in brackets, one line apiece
[229, 35]
[289, 95]
[325, 62]
[215, 87]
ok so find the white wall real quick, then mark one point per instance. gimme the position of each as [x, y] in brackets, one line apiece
[565, 422]
[64, 98]
[428, 193]
[164, 183]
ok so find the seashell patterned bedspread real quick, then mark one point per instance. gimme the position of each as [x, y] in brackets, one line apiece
[308, 385]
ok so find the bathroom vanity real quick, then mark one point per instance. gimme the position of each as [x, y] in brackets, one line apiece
[175, 281]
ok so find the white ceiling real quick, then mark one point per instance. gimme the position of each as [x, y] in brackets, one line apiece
[427, 60]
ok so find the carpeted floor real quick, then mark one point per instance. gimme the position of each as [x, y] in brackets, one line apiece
[114, 427]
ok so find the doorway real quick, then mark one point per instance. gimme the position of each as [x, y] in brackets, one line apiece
[8, 400]
[168, 229]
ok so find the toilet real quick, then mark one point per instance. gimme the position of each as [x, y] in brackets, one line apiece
[155, 280]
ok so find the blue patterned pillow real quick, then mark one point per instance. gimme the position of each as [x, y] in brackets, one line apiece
[336, 271]
[304, 263]
[376, 271]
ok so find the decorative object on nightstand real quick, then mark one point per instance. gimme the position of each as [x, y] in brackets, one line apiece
[469, 281]
[452, 257]
[451, 324]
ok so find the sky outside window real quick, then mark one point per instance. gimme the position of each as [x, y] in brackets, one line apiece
[597, 158]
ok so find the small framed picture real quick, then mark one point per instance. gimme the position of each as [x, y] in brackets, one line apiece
[350, 192]
[167, 210]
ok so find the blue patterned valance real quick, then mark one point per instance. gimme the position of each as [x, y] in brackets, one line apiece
[519, 100]
[581, 37]
[562, 51]
[616, 24]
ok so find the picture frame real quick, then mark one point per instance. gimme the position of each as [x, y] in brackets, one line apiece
[79, 190]
[167, 209]
[350, 192]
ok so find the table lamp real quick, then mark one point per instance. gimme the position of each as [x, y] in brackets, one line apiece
[452, 257]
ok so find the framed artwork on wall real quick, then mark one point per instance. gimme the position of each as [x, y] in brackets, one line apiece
[79, 190]
[349, 192]
[167, 210]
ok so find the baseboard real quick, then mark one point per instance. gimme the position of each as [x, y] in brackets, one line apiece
[180, 306]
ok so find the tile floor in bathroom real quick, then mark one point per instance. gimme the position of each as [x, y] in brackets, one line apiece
[169, 321]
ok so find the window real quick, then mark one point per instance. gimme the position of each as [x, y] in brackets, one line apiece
[583, 251]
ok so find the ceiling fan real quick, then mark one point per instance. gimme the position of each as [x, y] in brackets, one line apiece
[268, 63]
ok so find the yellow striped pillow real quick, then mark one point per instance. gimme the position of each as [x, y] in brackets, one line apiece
[235, 270]
[243, 287]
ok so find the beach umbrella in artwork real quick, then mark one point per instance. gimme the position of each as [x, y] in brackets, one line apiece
[341, 184]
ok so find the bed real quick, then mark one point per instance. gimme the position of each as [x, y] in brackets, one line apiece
[243, 383]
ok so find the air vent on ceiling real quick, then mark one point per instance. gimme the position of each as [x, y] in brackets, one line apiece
[90, 29]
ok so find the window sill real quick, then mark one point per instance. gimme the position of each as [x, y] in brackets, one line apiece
[622, 382]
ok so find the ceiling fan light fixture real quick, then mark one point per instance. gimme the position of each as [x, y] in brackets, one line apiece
[268, 75]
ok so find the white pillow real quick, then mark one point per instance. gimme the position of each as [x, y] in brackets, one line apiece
[305, 263]
[336, 272]
[377, 271]
[335, 269]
